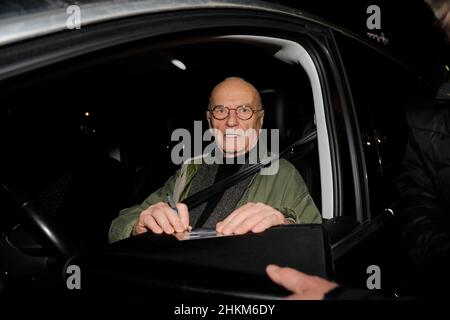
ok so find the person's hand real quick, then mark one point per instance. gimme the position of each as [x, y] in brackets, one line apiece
[254, 217]
[302, 285]
[160, 218]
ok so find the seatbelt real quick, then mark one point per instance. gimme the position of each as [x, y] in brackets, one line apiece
[209, 192]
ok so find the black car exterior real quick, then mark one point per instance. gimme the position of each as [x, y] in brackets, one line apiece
[60, 82]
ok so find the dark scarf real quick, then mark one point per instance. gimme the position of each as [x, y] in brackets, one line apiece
[219, 207]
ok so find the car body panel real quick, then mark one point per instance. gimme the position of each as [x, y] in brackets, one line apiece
[45, 24]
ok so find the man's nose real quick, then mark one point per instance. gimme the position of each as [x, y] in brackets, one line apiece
[232, 118]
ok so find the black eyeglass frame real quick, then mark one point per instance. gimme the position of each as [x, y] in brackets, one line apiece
[211, 111]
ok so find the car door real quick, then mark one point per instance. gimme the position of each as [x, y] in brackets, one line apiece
[380, 90]
[346, 189]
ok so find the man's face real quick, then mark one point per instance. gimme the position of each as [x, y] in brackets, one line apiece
[236, 136]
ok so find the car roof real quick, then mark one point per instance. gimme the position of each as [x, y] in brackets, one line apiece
[24, 19]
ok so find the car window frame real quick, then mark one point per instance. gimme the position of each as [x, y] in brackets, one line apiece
[159, 25]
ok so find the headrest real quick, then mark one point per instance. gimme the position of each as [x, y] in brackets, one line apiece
[291, 116]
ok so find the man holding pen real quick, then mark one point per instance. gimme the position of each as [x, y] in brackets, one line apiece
[252, 205]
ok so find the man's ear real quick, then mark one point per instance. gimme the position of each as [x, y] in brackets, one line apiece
[208, 118]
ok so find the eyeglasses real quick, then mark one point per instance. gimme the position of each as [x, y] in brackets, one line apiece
[243, 112]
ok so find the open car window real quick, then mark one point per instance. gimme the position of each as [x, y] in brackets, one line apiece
[88, 118]
[93, 135]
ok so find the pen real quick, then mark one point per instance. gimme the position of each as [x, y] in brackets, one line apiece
[173, 206]
[171, 203]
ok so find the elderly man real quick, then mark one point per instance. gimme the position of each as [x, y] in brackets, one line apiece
[252, 205]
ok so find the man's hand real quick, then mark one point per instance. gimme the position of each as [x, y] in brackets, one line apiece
[302, 285]
[160, 218]
[254, 217]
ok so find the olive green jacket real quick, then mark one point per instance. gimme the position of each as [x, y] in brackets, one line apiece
[285, 191]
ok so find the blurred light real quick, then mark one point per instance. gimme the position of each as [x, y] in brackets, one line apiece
[368, 143]
[177, 63]
[86, 114]
[446, 67]
[379, 141]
